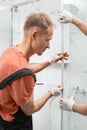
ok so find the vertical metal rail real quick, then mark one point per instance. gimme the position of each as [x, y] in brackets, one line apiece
[62, 70]
[11, 28]
[62, 64]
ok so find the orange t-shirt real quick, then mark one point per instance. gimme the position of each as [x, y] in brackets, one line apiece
[19, 92]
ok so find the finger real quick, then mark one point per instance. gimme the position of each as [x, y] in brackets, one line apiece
[65, 54]
[60, 54]
[56, 60]
[60, 105]
[59, 58]
[59, 14]
[60, 87]
[61, 102]
[61, 99]
[65, 58]
[60, 11]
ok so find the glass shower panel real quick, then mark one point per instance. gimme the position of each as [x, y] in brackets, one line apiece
[76, 70]
[49, 117]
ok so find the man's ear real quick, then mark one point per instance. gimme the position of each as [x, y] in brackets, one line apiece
[34, 33]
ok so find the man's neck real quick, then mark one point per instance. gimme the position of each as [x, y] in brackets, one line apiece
[25, 48]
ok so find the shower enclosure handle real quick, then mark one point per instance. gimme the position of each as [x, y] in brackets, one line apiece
[78, 90]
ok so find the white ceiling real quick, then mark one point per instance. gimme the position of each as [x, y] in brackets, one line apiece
[15, 3]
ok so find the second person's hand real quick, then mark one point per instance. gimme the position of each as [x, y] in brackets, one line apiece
[64, 16]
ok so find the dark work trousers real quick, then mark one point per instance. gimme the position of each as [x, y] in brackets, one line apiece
[21, 122]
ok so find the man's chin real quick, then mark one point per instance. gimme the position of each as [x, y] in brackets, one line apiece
[39, 54]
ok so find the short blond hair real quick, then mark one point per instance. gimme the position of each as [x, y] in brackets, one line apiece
[40, 20]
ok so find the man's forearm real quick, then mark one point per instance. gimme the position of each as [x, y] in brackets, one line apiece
[39, 103]
[38, 67]
[80, 24]
[80, 108]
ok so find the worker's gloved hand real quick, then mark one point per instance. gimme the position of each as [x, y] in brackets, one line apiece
[64, 16]
[67, 104]
[59, 57]
[56, 91]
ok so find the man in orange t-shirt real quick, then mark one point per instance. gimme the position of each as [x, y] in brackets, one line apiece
[16, 100]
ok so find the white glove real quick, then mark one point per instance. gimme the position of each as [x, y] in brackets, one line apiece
[64, 16]
[56, 91]
[67, 104]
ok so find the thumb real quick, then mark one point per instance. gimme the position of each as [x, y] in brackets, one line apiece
[60, 87]
[61, 99]
[61, 20]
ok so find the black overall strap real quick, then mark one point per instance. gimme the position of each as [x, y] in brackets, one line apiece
[16, 75]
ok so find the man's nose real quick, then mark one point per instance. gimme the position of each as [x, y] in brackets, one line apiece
[48, 46]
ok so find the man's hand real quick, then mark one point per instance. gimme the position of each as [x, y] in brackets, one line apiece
[64, 16]
[59, 57]
[56, 91]
[67, 104]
